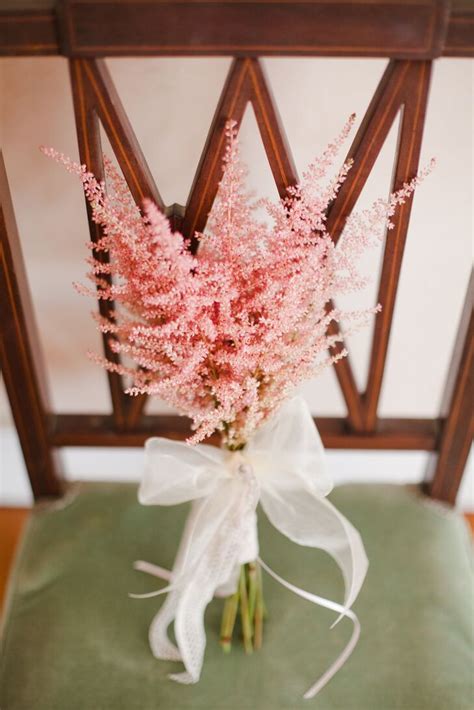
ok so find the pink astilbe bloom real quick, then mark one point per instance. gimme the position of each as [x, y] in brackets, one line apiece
[225, 336]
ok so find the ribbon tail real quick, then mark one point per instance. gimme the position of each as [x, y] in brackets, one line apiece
[160, 643]
[189, 628]
[327, 604]
[219, 534]
[307, 519]
[233, 543]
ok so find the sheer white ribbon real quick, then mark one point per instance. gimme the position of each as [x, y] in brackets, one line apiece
[282, 467]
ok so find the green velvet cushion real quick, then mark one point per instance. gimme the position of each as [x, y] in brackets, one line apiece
[74, 640]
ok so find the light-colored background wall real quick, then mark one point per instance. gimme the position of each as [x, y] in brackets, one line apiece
[170, 103]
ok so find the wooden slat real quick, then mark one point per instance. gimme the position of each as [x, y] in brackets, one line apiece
[460, 35]
[245, 82]
[345, 377]
[285, 174]
[98, 430]
[20, 355]
[368, 142]
[135, 409]
[445, 474]
[364, 150]
[271, 129]
[28, 30]
[90, 151]
[119, 130]
[412, 29]
[403, 84]
[415, 96]
[109, 109]
[232, 103]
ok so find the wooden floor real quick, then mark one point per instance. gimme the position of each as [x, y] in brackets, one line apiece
[11, 524]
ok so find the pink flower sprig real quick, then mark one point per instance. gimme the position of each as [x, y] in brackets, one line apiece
[225, 336]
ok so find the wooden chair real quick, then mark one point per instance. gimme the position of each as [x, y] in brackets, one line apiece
[72, 639]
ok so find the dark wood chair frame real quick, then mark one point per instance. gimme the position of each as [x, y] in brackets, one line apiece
[411, 33]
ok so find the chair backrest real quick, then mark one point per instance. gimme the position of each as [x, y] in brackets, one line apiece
[411, 34]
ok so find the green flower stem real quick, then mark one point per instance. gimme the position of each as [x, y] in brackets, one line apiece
[229, 616]
[244, 612]
[259, 610]
[252, 588]
[248, 598]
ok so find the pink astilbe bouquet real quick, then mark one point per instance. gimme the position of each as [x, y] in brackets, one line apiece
[225, 335]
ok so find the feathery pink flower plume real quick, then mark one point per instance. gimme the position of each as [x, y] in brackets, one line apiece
[225, 336]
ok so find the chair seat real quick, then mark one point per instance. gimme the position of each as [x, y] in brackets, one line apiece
[74, 640]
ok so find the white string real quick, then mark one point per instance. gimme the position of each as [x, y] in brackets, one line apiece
[333, 606]
[154, 570]
[149, 595]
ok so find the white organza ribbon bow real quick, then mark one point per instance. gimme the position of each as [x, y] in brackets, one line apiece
[282, 467]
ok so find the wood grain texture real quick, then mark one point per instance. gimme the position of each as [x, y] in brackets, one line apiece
[366, 146]
[445, 472]
[232, 103]
[20, 355]
[116, 123]
[409, 29]
[383, 28]
[414, 90]
[459, 40]
[246, 83]
[271, 129]
[90, 152]
[104, 104]
[404, 87]
[98, 430]
[345, 377]
[28, 30]
[368, 142]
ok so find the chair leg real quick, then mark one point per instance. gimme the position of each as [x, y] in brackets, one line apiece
[20, 356]
[445, 473]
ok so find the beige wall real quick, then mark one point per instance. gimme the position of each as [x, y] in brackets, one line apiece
[170, 103]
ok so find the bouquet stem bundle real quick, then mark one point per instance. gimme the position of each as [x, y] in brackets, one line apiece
[246, 602]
